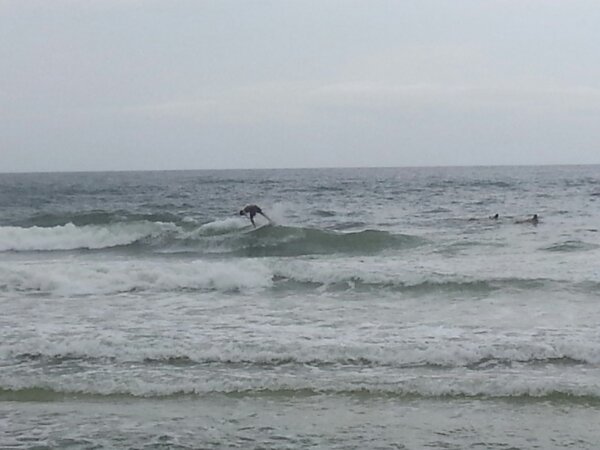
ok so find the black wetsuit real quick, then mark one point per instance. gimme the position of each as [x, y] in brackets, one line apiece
[253, 210]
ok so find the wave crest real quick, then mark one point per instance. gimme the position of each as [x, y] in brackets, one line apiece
[229, 236]
[119, 277]
[419, 387]
[72, 237]
[100, 277]
[292, 241]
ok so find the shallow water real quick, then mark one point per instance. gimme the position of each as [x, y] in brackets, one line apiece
[383, 309]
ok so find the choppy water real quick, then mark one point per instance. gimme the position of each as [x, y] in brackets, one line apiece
[383, 310]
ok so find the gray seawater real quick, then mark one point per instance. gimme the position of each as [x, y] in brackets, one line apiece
[384, 309]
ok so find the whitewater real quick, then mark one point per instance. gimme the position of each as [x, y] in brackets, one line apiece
[383, 308]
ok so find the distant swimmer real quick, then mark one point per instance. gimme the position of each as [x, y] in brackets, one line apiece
[494, 217]
[253, 210]
[534, 220]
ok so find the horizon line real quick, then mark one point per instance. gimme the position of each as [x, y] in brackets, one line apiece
[19, 172]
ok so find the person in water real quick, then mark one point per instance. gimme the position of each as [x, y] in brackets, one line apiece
[494, 217]
[253, 210]
[534, 220]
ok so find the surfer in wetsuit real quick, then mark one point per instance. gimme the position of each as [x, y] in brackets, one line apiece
[253, 210]
[494, 217]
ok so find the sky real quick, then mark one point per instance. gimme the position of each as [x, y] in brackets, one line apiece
[195, 84]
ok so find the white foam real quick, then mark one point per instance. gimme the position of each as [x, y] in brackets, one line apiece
[71, 237]
[104, 277]
[86, 278]
[322, 351]
[149, 383]
[223, 225]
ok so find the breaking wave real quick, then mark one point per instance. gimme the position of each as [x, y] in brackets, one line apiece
[494, 367]
[233, 275]
[229, 236]
[418, 387]
[476, 355]
[73, 237]
[120, 277]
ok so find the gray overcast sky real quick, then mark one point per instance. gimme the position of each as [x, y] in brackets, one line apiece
[176, 84]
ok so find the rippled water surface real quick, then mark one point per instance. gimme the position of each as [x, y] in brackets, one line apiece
[384, 308]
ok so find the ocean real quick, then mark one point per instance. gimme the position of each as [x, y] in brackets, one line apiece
[384, 308]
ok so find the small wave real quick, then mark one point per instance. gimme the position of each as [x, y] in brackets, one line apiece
[268, 359]
[419, 387]
[324, 213]
[475, 355]
[94, 217]
[447, 287]
[292, 241]
[571, 246]
[375, 274]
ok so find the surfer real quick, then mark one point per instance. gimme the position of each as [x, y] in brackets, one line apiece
[534, 220]
[253, 210]
[475, 219]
